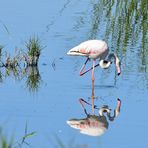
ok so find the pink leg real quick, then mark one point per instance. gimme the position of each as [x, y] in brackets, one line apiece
[93, 97]
[93, 78]
[93, 69]
[81, 71]
[82, 103]
[83, 66]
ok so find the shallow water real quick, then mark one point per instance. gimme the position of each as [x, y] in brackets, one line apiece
[55, 98]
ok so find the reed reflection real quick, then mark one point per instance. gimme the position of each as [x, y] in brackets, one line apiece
[30, 73]
[123, 24]
[33, 78]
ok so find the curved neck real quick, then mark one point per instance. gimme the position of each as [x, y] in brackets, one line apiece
[117, 61]
[116, 111]
[104, 64]
[111, 55]
[104, 110]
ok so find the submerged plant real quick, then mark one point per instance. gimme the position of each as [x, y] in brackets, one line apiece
[33, 51]
[25, 137]
[4, 143]
[22, 142]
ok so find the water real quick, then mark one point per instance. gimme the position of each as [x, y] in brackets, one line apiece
[54, 99]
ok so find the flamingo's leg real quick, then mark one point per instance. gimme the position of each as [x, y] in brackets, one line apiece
[83, 66]
[82, 102]
[81, 71]
[93, 78]
[93, 69]
[93, 97]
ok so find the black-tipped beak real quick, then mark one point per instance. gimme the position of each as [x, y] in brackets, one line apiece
[118, 99]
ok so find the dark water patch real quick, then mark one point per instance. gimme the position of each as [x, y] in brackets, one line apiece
[98, 87]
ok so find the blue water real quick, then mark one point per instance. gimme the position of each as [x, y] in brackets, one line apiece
[61, 25]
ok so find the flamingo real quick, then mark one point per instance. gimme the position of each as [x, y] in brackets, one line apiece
[95, 49]
[95, 125]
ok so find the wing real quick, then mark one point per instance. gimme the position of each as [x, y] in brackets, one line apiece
[89, 47]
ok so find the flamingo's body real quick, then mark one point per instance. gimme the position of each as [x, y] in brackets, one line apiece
[95, 125]
[94, 49]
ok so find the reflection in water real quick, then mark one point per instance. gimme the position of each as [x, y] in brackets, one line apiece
[13, 72]
[124, 21]
[18, 73]
[33, 79]
[95, 125]
[123, 24]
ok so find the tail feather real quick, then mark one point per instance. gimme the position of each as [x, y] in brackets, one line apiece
[75, 52]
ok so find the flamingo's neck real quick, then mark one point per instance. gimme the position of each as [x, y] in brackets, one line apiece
[110, 56]
[117, 61]
[104, 64]
[117, 110]
[103, 110]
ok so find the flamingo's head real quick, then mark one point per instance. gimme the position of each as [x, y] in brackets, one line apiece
[105, 64]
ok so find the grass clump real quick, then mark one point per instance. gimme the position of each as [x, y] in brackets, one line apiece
[22, 142]
[33, 51]
[33, 47]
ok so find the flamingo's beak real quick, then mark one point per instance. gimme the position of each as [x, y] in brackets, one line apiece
[118, 66]
[118, 69]
[118, 103]
[118, 107]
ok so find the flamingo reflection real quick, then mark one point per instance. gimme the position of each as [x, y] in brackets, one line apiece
[95, 125]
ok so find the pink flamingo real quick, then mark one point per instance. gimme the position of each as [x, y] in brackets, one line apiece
[95, 125]
[95, 49]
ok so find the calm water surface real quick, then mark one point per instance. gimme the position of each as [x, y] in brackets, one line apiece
[52, 98]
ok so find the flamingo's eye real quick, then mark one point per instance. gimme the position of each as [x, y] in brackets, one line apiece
[105, 62]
